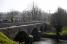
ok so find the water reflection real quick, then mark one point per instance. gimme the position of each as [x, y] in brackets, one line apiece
[61, 42]
[50, 41]
[44, 41]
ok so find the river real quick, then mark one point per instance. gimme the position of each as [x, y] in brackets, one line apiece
[49, 41]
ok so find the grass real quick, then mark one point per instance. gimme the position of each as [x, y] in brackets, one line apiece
[5, 40]
[64, 32]
[51, 33]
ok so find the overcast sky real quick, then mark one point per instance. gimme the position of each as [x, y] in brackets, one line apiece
[20, 5]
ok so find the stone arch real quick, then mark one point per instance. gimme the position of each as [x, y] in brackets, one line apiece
[41, 28]
[45, 27]
[21, 36]
[36, 34]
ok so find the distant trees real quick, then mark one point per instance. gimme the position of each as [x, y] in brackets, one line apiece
[12, 15]
[59, 17]
[35, 14]
[0, 16]
[57, 20]
[25, 16]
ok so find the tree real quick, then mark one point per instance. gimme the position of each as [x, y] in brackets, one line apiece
[57, 21]
[59, 17]
[36, 13]
[12, 15]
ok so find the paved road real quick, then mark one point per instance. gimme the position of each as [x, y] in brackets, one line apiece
[49, 41]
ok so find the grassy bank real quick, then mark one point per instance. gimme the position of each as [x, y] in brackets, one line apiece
[5, 40]
[64, 32]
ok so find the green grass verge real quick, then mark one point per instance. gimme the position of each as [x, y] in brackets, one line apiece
[5, 40]
[51, 33]
[64, 32]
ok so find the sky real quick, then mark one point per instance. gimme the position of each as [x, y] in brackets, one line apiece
[21, 5]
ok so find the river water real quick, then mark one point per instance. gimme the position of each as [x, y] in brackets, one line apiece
[49, 41]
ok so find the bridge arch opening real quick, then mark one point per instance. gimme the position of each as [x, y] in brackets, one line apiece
[41, 29]
[21, 37]
[36, 34]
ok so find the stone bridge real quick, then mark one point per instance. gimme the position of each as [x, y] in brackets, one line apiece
[11, 31]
